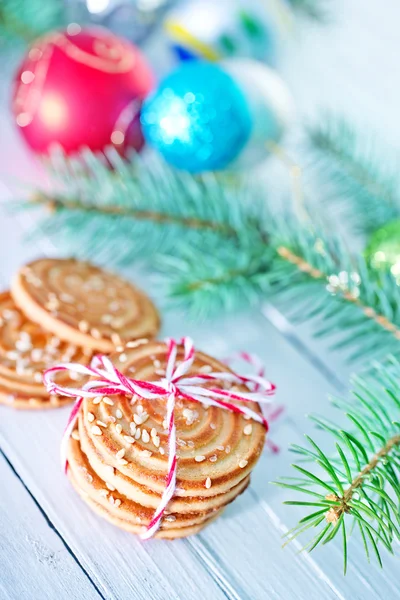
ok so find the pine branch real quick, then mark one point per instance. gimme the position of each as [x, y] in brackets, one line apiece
[219, 248]
[301, 267]
[55, 204]
[360, 173]
[24, 20]
[359, 482]
[141, 207]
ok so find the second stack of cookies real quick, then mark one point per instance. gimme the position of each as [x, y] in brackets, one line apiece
[64, 310]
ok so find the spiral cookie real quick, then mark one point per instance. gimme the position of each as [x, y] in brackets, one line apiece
[118, 453]
[25, 351]
[84, 304]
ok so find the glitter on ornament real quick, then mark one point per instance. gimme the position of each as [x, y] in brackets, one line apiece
[81, 88]
[198, 119]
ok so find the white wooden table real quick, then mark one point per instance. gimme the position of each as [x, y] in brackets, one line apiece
[53, 547]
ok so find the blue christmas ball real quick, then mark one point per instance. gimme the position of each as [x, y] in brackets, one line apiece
[198, 119]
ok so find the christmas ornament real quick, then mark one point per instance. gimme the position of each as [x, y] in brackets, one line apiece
[132, 19]
[209, 117]
[215, 30]
[81, 87]
[198, 118]
[383, 250]
[271, 107]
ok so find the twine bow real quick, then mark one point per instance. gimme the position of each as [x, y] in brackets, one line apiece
[108, 381]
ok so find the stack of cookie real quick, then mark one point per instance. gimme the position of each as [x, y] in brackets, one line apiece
[62, 311]
[118, 452]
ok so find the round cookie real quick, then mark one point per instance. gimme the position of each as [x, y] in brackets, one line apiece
[84, 304]
[118, 453]
[26, 350]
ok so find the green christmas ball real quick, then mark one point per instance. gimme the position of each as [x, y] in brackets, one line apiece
[383, 250]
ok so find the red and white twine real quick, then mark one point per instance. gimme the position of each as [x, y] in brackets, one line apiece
[107, 380]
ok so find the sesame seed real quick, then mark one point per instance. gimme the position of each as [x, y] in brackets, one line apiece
[75, 434]
[213, 458]
[97, 399]
[227, 449]
[106, 319]
[248, 429]
[135, 343]
[116, 339]
[118, 413]
[153, 432]
[122, 461]
[37, 377]
[111, 499]
[108, 401]
[123, 357]
[96, 430]
[129, 439]
[208, 483]
[120, 453]
[199, 458]
[145, 436]
[157, 363]
[222, 448]
[213, 426]
[132, 427]
[117, 503]
[110, 486]
[95, 333]
[205, 369]
[102, 424]
[243, 463]
[104, 493]
[165, 424]
[110, 469]
[247, 417]
[90, 417]
[138, 433]
[118, 428]
[156, 441]
[170, 518]
[137, 419]
[190, 444]
[146, 453]
[139, 409]
[83, 326]
[162, 451]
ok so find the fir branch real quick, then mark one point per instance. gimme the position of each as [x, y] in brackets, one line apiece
[141, 207]
[59, 204]
[219, 248]
[340, 487]
[301, 267]
[25, 20]
[360, 173]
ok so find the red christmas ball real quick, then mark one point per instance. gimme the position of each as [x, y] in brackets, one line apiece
[81, 87]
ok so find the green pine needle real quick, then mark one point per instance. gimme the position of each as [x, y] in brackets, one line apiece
[359, 173]
[358, 483]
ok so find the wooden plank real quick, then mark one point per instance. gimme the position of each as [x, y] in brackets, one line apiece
[34, 561]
